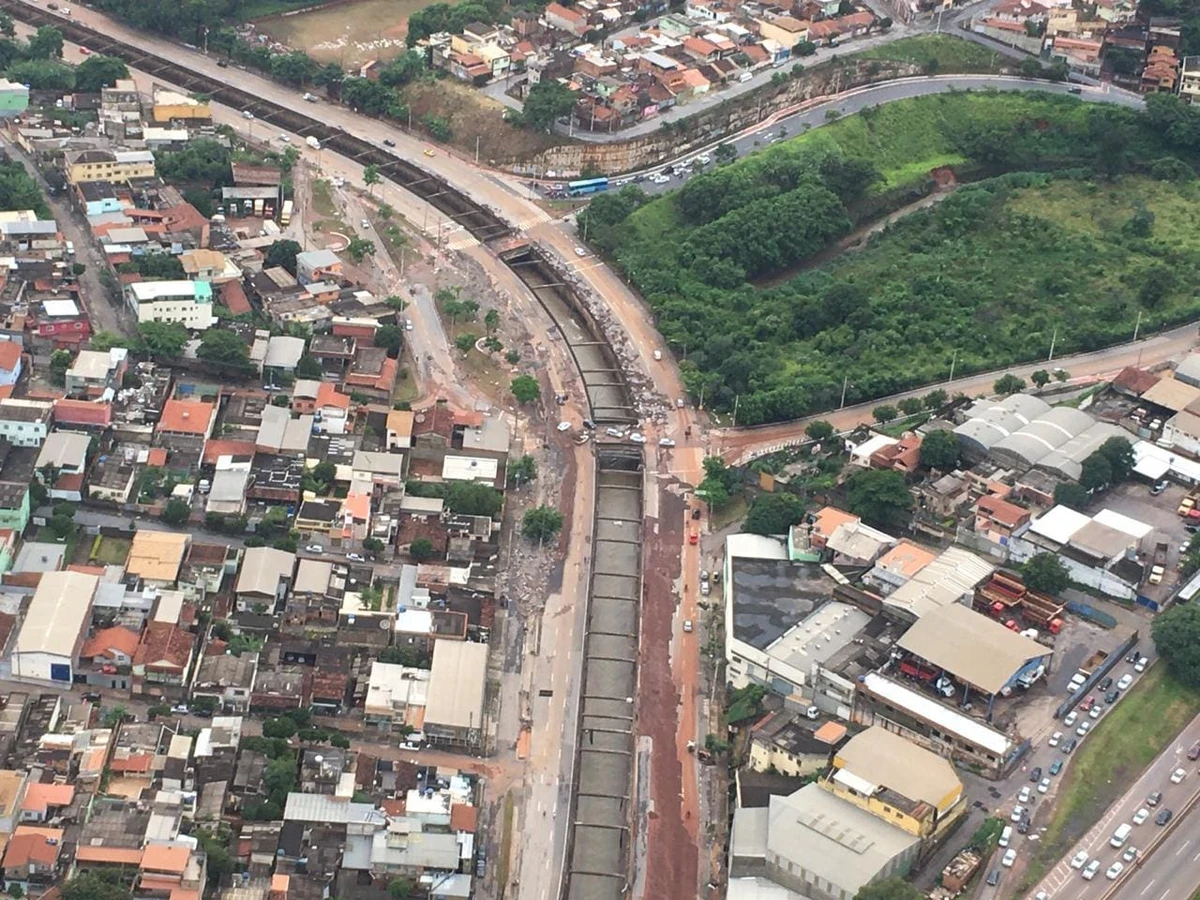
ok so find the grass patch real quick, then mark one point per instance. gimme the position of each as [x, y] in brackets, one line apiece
[110, 551]
[949, 53]
[322, 198]
[1121, 745]
[731, 512]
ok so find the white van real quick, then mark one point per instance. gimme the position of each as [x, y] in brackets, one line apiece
[1121, 835]
[1006, 836]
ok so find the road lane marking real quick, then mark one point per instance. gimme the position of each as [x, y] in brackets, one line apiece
[1164, 893]
[1182, 847]
[1148, 886]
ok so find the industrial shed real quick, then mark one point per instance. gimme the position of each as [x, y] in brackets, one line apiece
[990, 421]
[1048, 431]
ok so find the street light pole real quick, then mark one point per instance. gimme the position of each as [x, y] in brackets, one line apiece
[477, 137]
[845, 384]
[1137, 327]
[953, 360]
[1053, 340]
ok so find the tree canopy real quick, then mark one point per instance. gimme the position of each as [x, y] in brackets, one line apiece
[99, 71]
[471, 498]
[282, 253]
[224, 348]
[939, 450]
[163, 340]
[547, 101]
[880, 497]
[774, 513]
[1045, 572]
[894, 888]
[1176, 634]
[526, 389]
[541, 523]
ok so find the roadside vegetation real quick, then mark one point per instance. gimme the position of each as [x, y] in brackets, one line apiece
[937, 53]
[1129, 736]
[1082, 245]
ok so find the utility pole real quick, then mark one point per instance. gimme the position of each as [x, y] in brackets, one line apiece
[953, 360]
[736, 401]
[1053, 340]
[1137, 327]
[845, 384]
[477, 137]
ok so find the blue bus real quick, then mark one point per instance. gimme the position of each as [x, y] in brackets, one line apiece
[587, 186]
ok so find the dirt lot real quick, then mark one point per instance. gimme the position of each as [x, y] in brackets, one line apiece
[351, 34]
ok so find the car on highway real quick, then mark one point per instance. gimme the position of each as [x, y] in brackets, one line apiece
[666, 442]
[1079, 859]
[1068, 745]
[1090, 871]
[1113, 872]
[1035, 775]
[1055, 739]
[1056, 767]
[1140, 817]
[1084, 728]
[1043, 785]
[1130, 854]
[1010, 857]
[1177, 776]
[388, 142]
[1163, 817]
[1125, 682]
[1154, 799]
[1112, 696]
[1071, 718]
[687, 626]
[1017, 813]
[1140, 665]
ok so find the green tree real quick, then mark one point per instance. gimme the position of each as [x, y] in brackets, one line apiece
[884, 414]
[224, 348]
[935, 400]
[1096, 473]
[282, 253]
[106, 340]
[1119, 454]
[819, 431]
[309, 367]
[547, 101]
[1045, 572]
[939, 450]
[281, 727]
[541, 523]
[99, 71]
[714, 492]
[297, 67]
[176, 512]
[1176, 635]
[894, 888]
[804, 48]
[526, 389]
[371, 177]
[512, 357]
[373, 545]
[471, 498]
[910, 406]
[774, 513]
[163, 340]
[60, 361]
[725, 152]
[400, 888]
[1029, 67]
[421, 549]
[1008, 384]
[46, 43]
[522, 470]
[360, 248]
[880, 497]
[340, 741]
[465, 342]
[1068, 493]
[1041, 378]
[325, 472]
[95, 886]
[390, 337]
[491, 321]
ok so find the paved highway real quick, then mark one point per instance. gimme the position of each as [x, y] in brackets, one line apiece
[1173, 872]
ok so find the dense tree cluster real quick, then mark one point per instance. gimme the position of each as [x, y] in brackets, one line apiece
[975, 279]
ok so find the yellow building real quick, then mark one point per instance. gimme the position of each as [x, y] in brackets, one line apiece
[891, 778]
[172, 106]
[788, 743]
[109, 165]
[787, 31]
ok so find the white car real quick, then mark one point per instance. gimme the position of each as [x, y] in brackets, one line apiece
[1079, 859]
[1141, 816]
[315, 548]
[1084, 727]
[366, 225]
[355, 557]
[666, 442]
[564, 426]
[1010, 857]
[1071, 718]
[1026, 794]
[1130, 854]
[1177, 776]
[1092, 868]
[1018, 814]
[1055, 739]
[1140, 665]
[285, 138]
[579, 251]
[1043, 785]
[1114, 871]
[1095, 711]
[246, 114]
[638, 438]
[1125, 682]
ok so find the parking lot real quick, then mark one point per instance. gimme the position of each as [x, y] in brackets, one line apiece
[1134, 500]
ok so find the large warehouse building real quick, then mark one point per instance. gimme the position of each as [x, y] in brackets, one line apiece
[1025, 432]
[55, 627]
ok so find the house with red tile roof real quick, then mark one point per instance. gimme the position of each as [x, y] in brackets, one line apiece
[45, 801]
[31, 858]
[162, 660]
[82, 413]
[113, 646]
[10, 362]
[193, 418]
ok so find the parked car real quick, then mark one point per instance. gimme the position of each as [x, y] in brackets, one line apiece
[1154, 799]
[1025, 795]
[1083, 729]
[1140, 817]
[1055, 739]
[1079, 859]
[1043, 785]
[315, 548]
[1163, 817]
[1071, 718]
[687, 626]
[993, 878]
[1112, 696]
[1106, 683]
[1068, 745]
[564, 426]
[1056, 767]
[1095, 711]
[1087, 703]
[1017, 813]
[355, 557]
[1035, 774]
[666, 442]
[1125, 682]
[1140, 665]
[1010, 857]
[1194, 752]
[1132, 657]
[388, 142]
[1158, 489]
[1023, 825]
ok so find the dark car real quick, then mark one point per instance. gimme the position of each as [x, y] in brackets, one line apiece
[1106, 684]
[1023, 825]
[1035, 775]
[1154, 799]
[1068, 745]
[1112, 696]
[1191, 528]
[221, 64]
[1133, 657]
[1163, 817]
[1056, 767]
[388, 142]
[993, 878]
[1194, 752]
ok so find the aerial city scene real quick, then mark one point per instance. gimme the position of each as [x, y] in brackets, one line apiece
[600, 449]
